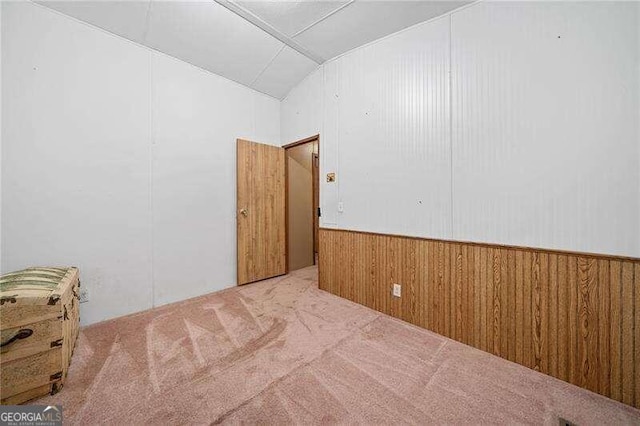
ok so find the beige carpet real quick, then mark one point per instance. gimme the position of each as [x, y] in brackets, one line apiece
[282, 351]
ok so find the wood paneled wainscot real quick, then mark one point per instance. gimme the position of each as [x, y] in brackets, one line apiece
[572, 316]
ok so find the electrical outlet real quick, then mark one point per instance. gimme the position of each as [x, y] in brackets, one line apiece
[397, 290]
[84, 294]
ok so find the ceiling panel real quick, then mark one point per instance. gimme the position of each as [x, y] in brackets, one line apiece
[286, 70]
[289, 17]
[127, 18]
[212, 37]
[364, 21]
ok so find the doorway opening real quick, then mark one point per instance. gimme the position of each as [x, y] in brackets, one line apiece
[303, 202]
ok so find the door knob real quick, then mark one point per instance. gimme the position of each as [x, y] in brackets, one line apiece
[244, 212]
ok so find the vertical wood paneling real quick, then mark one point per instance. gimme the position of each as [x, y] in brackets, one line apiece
[431, 300]
[628, 392]
[490, 301]
[552, 323]
[536, 311]
[544, 313]
[477, 298]
[423, 297]
[519, 306]
[445, 300]
[483, 301]
[511, 301]
[504, 311]
[440, 295]
[588, 323]
[528, 359]
[563, 319]
[457, 295]
[567, 315]
[378, 258]
[604, 319]
[409, 280]
[497, 292]
[615, 324]
[574, 357]
[636, 283]
[469, 284]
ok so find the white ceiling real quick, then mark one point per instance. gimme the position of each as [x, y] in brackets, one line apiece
[269, 46]
[291, 17]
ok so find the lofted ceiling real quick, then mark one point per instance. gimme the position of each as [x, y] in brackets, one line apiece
[269, 46]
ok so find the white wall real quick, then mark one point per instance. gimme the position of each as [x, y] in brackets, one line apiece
[196, 119]
[119, 160]
[393, 134]
[533, 140]
[546, 136]
[302, 112]
[1, 271]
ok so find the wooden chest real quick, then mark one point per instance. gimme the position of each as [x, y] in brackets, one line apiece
[39, 322]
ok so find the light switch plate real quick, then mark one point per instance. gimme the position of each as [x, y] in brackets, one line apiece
[397, 290]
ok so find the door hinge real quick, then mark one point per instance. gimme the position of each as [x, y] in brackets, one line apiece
[319, 212]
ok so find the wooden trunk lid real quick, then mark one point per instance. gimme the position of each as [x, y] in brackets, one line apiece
[34, 294]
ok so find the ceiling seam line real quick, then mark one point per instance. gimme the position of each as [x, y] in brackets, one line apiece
[146, 23]
[267, 66]
[255, 20]
[333, 12]
[409, 28]
[141, 45]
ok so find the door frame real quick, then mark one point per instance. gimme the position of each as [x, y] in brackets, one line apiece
[315, 187]
[286, 195]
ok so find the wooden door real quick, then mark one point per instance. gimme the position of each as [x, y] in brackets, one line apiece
[260, 211]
